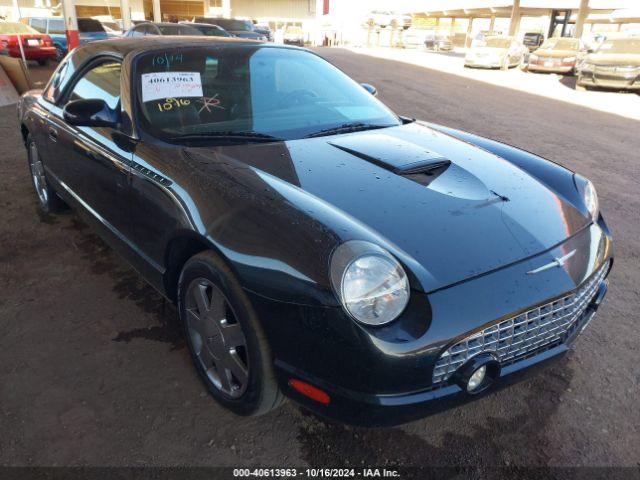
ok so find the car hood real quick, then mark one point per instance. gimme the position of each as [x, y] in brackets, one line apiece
[488, 51]
[555, 53]
[458, 210]
[616, 59]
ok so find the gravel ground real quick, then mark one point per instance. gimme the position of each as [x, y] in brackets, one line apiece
[93, 370]
[549, 85]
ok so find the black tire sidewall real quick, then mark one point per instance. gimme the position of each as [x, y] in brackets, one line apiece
[207, 267]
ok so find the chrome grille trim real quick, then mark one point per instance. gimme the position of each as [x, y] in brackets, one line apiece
[525, 333]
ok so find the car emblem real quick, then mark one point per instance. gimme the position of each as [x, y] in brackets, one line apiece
[557, 262]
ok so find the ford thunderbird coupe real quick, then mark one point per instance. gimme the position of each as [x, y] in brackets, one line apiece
[371, 267]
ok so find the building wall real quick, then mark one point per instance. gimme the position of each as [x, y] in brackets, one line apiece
[274, 9]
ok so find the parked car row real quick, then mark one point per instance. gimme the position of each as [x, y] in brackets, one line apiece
[614, 63]
[293, 35]
[44, 38]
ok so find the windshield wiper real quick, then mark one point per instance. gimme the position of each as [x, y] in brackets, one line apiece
[230, 135]
[346, 128]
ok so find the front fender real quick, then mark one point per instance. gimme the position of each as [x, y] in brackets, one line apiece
[277, 237]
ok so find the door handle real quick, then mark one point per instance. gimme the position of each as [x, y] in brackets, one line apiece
[53, 134]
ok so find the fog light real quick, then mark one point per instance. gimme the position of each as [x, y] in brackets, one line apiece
[476, 378]
[478, 373]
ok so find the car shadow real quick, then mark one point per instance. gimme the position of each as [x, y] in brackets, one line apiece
[324, 442]
[568, 81]
[129, 285]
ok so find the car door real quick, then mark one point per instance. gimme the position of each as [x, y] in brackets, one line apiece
[96, 169]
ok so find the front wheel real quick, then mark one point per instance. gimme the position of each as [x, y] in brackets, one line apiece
[48, 200]
[227, 343]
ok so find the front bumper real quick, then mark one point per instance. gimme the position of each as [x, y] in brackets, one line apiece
[482, 63]
[610, 79]
[385, 376]
[550, 68]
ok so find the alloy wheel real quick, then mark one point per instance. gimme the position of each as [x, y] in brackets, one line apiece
[37, 174]
[217, 339]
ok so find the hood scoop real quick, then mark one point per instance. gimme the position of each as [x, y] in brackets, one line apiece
[393, 154]
[418, 164]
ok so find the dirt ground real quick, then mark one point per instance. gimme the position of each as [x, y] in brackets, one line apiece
[93, 369]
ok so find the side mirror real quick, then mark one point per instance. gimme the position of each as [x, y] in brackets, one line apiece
[90, 113]
[370, 88]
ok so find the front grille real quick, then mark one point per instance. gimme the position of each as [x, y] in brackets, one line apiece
[519, 336]
[621, 70]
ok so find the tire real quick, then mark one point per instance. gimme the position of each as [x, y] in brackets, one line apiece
[48, 200]
[60, 53]
[227, 343]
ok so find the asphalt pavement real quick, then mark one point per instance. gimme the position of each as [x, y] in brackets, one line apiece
[94, 371]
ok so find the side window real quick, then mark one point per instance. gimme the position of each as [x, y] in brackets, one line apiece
[40, 24]
[52, 91]
[56, 27]
[101, 82]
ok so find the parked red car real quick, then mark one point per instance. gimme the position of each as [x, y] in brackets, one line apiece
[36, 46]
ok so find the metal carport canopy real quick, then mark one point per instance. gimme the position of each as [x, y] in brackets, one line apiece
[488, 8]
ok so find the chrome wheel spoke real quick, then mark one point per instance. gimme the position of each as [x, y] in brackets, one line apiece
[207, 357]
[235, 364]
[202, 300]
[233, 336]
[37, 174]
[225, 380]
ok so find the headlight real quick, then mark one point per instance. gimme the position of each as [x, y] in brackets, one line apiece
[589, 195]
[370, 283]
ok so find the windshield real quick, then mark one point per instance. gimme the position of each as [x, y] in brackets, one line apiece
[561, 44]
[621, 45]
[11, 28]
[279, 92]
[89, 25]
[496, 42]
[294, 30]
